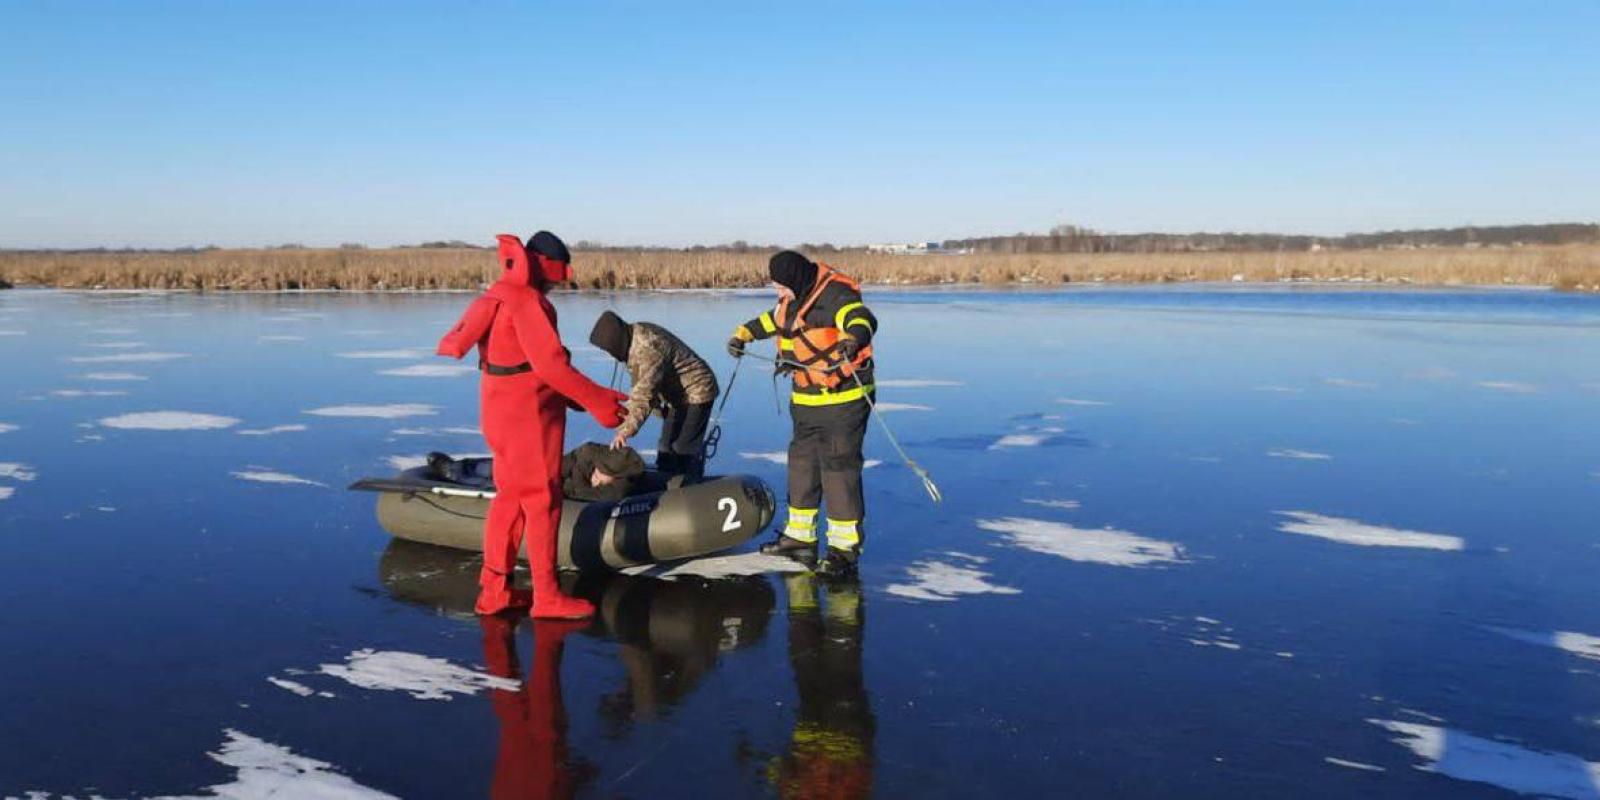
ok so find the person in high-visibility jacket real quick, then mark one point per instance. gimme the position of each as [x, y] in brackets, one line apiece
[824, 333]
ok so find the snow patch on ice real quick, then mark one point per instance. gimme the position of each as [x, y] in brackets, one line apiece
[781, 458]
[9, 332]
[1302, 455]
[422, 677]
[88, 393]
[399, 355]
[1097, 546]
[113, 376]
[276, 429]
[6, 427]
[391, 411]
[1276, 389]
[288, 685]
[916, 383]
[1065, 505]
[1074, 401]
[1339, 762]
[942, 581]
[454, 430]
[901, 407]
[17, 472]
[116, 345]
[1509, 386]
[169, 421]
[1349, 383]
[1349, 531]
[714, 567]
[432, 371]
[6, 492]
[1466, 757]
[1020, 440]
[260, 475]
[1579, 644]
[115, 331]
[280, 337]
[127, 358]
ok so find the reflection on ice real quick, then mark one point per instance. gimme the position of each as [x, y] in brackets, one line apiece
[937, 580]
[1470, 758]
[1578, 644]
[1349, 531]
[715, 567]
[169, 421]
[1095, 546]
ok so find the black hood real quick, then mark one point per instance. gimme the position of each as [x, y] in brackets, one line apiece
[612, 334]
[793, 270]
[550, 246]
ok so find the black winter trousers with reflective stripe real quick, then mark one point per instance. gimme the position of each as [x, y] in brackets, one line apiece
[683, 436]
[825, 458]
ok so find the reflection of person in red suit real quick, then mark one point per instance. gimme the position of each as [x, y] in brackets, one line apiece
[526, 385]
[533, 761]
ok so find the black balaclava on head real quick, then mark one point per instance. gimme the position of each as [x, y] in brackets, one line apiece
[550, 246]
[793, 270]
[612, 334]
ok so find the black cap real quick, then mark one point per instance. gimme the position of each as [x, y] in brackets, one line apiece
[793, 270]
[612, 334]
[550, 246]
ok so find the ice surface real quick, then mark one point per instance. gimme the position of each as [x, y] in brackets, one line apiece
[1097, 546]
[113, 376]
[1020, 440]
[399, 355]
[714, 567]
[1509, 386]
[1074, 401]
[1578, 644]
[941, 581]
[1466, 757]
[6, 492]
[391, 411]
[169, 421]
[127, 358]
[260, 475]
[422, 677]
[6, 427]
[455, 430]
[1349, 531]
[88, 393]
[1303, 455]
[1276, 389]
[276, 429]
[280, 337]
[781, 457]
[431, 371]
[915, 383]
[12, 332]
[886, 407]
[1339, 762]
[1065, 505]
[1349, 383]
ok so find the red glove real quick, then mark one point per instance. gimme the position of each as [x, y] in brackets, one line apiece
[610, 410]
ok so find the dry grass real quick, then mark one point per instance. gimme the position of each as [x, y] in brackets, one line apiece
[1573, 267]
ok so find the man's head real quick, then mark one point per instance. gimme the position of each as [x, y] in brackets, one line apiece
[551, 259]
[793, 272]
[612, 334]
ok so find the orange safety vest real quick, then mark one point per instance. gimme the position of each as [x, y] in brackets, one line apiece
[815, 346]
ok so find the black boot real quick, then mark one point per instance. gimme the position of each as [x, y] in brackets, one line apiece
[804, 552]
[839, 564]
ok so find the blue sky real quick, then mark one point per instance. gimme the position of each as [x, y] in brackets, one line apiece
[233, 123]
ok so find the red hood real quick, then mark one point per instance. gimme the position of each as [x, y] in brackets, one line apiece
[521, 266]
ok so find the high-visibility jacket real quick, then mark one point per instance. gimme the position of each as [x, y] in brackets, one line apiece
[809, 330]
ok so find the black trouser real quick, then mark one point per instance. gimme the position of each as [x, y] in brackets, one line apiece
[683, 436]
[825, 458]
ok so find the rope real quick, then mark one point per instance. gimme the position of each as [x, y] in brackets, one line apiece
[708, 447]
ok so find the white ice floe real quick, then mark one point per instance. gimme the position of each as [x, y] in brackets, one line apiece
[114, 331]
[1349, 383]
[1509, 386]
[280, 337]
[6, 492]
[260, 475]
[275, 429]
[715, 567]
[1578, 644]
[1276, 389]
[781, 458]
[1065, 505]
[1011, 440]
[1466, 757]
[116, 345]
[6, 427]
[88, 393]
[390, 411]
[169, 421]
[1340, 762]
[1302, 455]
[422, 677]
[1349, 531]
[431, 371]
[17, 472]
[1074, 401]
[916, 383]
[290, 686]
[397, 355]
[127, 358]
[113, 376]
[941, 581]
[453, 430]
[901, 407]
[1097, 546]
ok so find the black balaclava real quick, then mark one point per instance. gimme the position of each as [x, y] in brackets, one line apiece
[550, 246]
[793, 270]
[612, 334]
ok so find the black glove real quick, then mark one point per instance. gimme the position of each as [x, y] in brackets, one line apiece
[849, 348]
[736, 347]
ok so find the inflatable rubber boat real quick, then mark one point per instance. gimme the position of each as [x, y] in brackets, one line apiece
[681, 518]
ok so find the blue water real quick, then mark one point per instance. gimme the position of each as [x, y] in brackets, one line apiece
[152, 593]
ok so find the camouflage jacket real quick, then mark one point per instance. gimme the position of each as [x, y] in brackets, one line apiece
[665, 374]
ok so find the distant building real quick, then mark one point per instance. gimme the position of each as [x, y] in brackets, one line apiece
[912, 249]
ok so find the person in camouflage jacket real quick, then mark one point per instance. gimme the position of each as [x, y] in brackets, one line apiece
[668, 378]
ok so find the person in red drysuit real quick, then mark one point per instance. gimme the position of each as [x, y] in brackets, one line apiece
[527, 383]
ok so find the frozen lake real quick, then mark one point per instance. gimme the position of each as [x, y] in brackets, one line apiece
[1230, 542]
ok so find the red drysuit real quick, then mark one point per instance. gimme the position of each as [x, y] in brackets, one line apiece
[526, 384]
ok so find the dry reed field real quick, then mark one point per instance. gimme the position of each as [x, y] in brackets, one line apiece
[1570, 267]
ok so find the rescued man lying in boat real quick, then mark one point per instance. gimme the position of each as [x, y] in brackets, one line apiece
[590, 472]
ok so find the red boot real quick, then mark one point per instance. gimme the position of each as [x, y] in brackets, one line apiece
[548, 601]
[496, 595]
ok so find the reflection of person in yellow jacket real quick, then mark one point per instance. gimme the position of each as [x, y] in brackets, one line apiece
[830, 753]
[824, 334]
